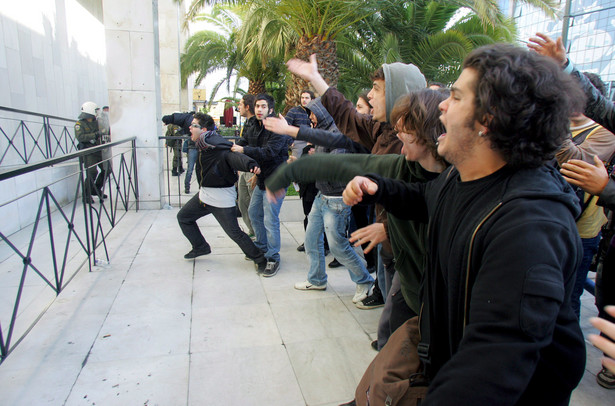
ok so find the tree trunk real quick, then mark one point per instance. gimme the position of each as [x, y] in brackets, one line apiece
[256, 87]
[326, 53]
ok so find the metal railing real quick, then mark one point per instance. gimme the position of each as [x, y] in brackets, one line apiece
[33, 138]
[72, 236]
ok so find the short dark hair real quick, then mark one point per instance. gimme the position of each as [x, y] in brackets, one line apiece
[270, 101]
[524, 99]
[205, 121]
[248, 101]
[311, 93]
[419, 112]
[378, 74]
[597, 82]
[435, 84]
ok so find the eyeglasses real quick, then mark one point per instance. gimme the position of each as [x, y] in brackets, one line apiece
[195, 126]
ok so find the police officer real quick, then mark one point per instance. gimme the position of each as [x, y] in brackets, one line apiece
[89, 135]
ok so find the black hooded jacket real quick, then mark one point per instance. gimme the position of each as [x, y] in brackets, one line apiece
[269, 149]
[497, 286]
[217, 165]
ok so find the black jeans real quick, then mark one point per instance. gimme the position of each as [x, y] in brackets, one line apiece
[226, 217]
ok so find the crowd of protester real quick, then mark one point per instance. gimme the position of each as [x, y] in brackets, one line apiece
[480, 207]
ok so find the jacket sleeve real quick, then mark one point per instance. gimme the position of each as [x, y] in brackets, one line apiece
[329, 139]
[515, 302]
[404, 200]
[601, 142]
[358, 127]
[272, 148]
[598, 108]
[240, 162]
[333, 168]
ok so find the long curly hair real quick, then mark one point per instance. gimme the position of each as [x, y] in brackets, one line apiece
[525, 100]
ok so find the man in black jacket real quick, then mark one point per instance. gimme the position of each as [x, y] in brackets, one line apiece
[217, 194]
[496, 323]
[270, 150]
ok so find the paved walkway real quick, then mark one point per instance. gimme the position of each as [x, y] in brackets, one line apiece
[153, 329]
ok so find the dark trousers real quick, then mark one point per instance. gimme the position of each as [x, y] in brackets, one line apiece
[226, 217]
[95, 175]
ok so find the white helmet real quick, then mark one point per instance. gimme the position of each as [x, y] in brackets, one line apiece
[89, 108]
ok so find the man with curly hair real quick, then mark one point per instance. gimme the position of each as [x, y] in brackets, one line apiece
[496, 322]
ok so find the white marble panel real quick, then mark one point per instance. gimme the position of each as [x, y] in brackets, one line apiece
[252, 326]
[247, 376]
[328, 370]
[5, 94]
[46, 384]
[150, 381]
[301, 320]
[142, 62]
[119, 75]
[128, 15]
[9, 30]
[14, 70]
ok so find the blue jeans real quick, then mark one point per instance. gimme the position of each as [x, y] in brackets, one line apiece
[331, 215]
[590, 247]
[265, 218]
[193, 154]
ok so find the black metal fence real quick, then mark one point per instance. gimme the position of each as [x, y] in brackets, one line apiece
[39, 261]
[27, 137]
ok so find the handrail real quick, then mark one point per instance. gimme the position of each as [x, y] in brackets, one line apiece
[21, 170]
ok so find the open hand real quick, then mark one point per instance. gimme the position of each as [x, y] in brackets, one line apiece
[591, 178]
[545, 46]
[603, 344]
[373, 234]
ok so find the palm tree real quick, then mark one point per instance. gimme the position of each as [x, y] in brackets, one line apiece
[424, 33]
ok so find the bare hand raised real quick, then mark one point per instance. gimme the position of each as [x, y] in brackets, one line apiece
[545, 46]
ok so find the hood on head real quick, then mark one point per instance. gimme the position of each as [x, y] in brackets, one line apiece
[400, 79]
[325, 121]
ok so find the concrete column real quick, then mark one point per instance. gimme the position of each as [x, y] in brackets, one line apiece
[133, 78]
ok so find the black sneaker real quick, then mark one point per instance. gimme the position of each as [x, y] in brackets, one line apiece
[375, 345]
[271, 269]
[371, 302]
[334, 264]
[174, 172]
[187, 191]
[261, 266]
[301, 248]
[197, 252]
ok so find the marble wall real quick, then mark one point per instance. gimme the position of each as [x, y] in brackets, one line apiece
[52, 59]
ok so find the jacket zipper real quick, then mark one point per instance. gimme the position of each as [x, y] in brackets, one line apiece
[472, 239]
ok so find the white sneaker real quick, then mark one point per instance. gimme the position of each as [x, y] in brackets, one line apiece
[362, 291]
[305, 285]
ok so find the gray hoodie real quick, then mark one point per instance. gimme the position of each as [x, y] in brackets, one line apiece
[400, 79]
